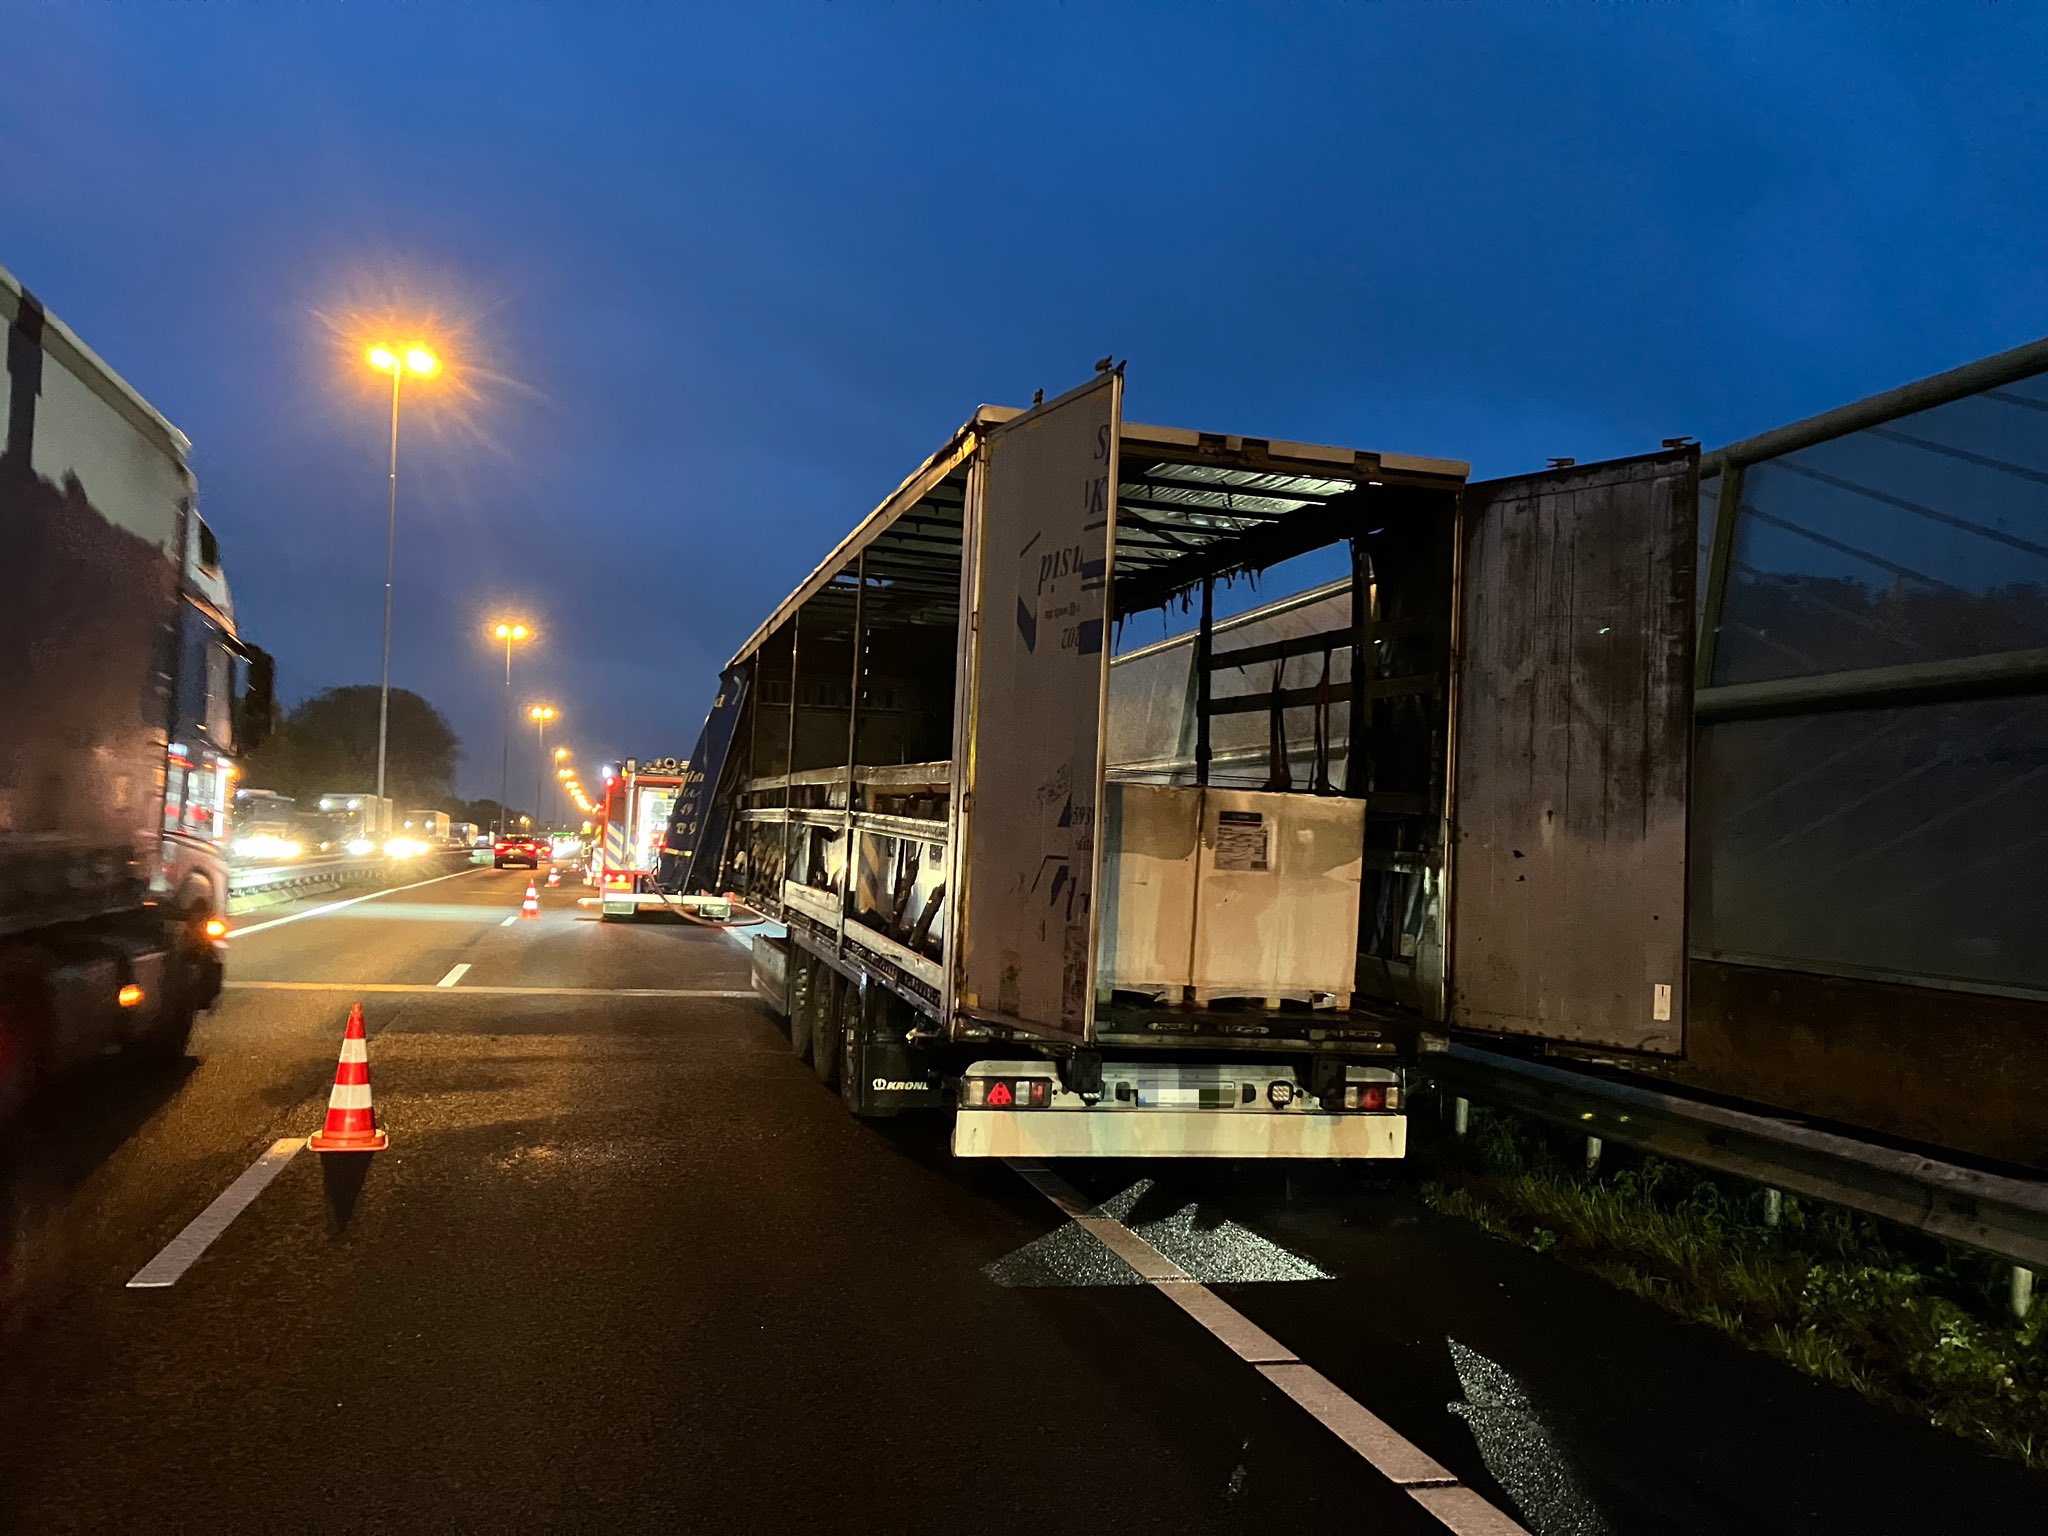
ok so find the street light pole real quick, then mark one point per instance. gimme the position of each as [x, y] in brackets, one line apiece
[418, 360]
[390, 558]
[507, 631]
[540, 715]
[505, 766]
[540, 774]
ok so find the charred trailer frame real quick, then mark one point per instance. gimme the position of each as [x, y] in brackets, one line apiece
[927, 769]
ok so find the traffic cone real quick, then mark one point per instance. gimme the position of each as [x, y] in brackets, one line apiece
[531, 906]
[554, 876]
[351, 1121]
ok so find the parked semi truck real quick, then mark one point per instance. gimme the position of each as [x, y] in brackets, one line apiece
[993, 904]
[129, 696]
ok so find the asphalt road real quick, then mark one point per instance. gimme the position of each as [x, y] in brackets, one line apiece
[627, 1265]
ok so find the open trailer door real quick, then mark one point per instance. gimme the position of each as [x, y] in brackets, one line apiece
[1571, 754]
[1031, 775]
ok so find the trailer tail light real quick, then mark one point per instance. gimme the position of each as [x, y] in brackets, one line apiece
[1006, 1092]
[1368, 1096]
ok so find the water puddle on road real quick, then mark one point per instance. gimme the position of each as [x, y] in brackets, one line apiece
[1212, 1250]
[1519, 1449]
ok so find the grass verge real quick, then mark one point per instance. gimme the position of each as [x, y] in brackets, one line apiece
[1904, 1319]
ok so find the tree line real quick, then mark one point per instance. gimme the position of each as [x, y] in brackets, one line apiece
[327, 743]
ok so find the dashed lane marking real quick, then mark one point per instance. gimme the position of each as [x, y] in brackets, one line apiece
[336, 906]
[178, 1254]
[455, 974]
[1434, 1486]
[415, 987]
[509, 921]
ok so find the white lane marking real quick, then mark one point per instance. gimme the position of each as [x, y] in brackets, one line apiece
[1432, 1485]
[1357, 1426]
[336, 906]
[1464, 1511]
[1245, 1338]
[1120, 1240]
[509, 921]
[179, 1254]
[455, 974]
[416, 986]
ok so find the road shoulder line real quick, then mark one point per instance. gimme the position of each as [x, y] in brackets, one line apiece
[336, 906]
[423, 987]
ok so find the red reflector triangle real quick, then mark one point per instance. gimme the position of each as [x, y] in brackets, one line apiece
[999, 1095]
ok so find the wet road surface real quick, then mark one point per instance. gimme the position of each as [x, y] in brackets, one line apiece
[627, 1265]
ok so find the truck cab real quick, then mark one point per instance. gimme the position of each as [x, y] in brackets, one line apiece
[220, 709]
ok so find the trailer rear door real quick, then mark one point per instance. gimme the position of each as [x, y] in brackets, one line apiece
[1571, 753]
[1032, 769]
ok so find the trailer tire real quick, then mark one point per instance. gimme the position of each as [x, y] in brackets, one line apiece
[803, 1001]
[828, 1026]
[853, 1055]
[24, 1022]
[192, 983]
[166, 1039]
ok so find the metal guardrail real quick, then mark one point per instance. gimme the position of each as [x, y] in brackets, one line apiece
[327, 872]
[1997, 1214]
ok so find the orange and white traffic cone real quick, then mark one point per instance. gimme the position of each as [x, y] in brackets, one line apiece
[351, 1120]
[531, 906]
[554, 876]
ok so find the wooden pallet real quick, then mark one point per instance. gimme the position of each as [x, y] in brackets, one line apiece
[1207, 997]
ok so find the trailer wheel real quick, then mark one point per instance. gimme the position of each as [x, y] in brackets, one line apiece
[192, 983]
[23, 1021]
[853, 1057]
[803, 1001]
[828, 1026]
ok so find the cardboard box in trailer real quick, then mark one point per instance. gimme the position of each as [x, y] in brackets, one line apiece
[1001, 894]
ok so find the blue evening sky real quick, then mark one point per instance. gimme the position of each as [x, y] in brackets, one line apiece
[724, 273]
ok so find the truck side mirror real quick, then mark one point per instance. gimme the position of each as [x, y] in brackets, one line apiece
[256, 705]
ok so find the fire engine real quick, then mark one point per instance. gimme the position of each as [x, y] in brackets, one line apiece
[639, 795]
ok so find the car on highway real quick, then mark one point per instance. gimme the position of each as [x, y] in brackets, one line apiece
[516, 850]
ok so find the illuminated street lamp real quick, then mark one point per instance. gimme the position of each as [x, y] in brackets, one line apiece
[540, 715]
[507, 630]
[421, 364]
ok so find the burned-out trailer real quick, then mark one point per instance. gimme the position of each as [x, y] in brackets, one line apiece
[993, 901]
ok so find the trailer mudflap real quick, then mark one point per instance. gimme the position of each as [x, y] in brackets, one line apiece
[895, 1075]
